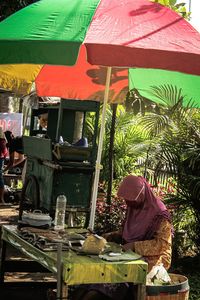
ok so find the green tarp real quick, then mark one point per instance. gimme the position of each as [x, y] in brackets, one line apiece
[79, 269]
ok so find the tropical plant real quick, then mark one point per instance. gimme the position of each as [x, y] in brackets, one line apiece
[9, 7]
[180, 8]
[130, 145]
[110, 217]
[177, 148]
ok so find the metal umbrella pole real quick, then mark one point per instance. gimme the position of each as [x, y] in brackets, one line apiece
[99, 152]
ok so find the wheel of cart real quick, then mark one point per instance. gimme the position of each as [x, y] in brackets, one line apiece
[30, 196]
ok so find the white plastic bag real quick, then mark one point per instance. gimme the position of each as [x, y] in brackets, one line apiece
[158, 276]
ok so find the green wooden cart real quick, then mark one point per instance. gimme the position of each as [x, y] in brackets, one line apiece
[55, 168]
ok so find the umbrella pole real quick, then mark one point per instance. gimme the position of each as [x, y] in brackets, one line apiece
[99, 152]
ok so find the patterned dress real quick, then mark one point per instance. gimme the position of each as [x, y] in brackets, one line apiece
[159, 249]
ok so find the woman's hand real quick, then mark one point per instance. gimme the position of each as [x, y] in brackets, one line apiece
[128, 246]
[114, 236]
[106, 235]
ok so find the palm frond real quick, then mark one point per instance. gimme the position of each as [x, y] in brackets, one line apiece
[167, 93]
[154, 124]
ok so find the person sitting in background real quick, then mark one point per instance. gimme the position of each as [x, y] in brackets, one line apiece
[14, 145]
[43, 120]
[3, 153]
[147, 230]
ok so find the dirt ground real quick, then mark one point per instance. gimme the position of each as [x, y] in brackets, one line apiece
[23, 286]
[8, 214]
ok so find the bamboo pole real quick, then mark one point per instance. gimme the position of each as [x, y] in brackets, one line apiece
[99, 152]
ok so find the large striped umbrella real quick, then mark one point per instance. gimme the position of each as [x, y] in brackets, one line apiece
[81, 81]
[115, 33]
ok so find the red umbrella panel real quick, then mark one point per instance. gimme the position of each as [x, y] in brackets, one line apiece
[82, 81]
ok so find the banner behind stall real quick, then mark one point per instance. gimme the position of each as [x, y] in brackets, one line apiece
[12, 122]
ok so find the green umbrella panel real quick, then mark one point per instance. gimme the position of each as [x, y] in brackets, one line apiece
[145, 81]
[47, 31]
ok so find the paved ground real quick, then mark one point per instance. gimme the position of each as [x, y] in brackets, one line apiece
[21, 286]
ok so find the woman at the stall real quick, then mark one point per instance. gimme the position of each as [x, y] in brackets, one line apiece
[147, 230]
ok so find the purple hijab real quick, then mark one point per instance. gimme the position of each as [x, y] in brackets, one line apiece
[144, 210]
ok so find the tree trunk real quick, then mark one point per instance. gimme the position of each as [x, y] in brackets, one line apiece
[110, 155]
[79, 119]
[5, 103]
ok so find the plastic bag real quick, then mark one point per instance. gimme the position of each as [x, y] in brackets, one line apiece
[94, 244]
[158, 276]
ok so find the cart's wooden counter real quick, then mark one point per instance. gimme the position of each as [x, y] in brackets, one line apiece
[78, 269]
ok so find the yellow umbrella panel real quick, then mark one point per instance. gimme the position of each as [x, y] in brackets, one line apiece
[18, 78]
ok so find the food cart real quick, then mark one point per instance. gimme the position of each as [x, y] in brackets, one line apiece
[61, 156]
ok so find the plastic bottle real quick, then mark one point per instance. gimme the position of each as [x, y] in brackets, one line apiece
[59, 222]
[61, 141]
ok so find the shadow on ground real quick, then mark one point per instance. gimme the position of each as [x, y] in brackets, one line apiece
[23, 293]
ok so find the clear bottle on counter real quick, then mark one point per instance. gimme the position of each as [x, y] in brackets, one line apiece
[59, 221]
